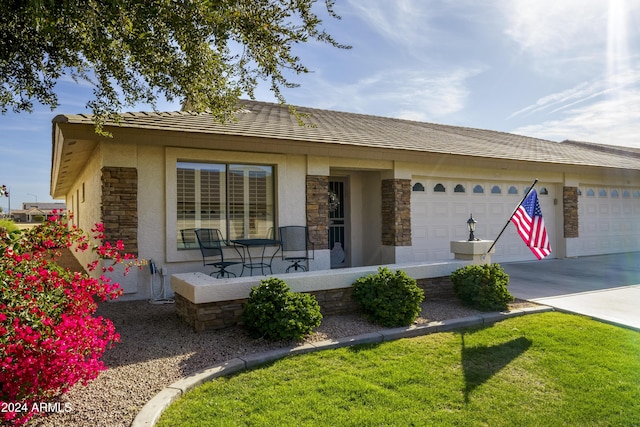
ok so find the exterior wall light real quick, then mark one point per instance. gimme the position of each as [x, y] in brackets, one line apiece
[471, 225]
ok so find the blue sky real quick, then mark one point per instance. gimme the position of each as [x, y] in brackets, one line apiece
[554, 69]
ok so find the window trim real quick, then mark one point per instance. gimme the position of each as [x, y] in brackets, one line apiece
[173, 155]
[439, 188]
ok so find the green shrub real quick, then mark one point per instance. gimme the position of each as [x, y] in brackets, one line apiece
[276, 313]
[8, 225]
[389, 299]
[483, 287]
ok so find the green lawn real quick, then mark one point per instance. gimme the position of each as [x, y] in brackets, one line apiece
[536, 370]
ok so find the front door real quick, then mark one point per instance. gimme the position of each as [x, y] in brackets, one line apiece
[338, 223]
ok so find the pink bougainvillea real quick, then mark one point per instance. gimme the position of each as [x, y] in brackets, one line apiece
[50, 338]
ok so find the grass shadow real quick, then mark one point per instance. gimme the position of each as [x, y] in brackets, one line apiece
[481, 362]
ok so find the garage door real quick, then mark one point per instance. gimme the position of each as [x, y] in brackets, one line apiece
[440, 209]
[608, 221]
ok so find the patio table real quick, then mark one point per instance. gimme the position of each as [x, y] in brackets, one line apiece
[258, 258]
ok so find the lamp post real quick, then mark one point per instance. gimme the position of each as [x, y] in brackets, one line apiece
[471, 225]
[4, 191]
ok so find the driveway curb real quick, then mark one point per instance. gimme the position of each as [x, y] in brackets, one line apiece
[151, 412]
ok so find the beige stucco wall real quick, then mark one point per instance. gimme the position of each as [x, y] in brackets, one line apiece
[85, 205]
[156, 195]
[84, 200]
[366, 218]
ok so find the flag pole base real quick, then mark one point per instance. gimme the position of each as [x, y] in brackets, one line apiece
[474, 250]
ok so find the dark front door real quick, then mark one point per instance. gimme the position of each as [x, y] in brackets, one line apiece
[338, 224]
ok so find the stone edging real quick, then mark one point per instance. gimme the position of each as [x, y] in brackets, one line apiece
[151, 412]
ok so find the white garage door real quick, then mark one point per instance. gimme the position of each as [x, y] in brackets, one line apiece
[440, 210]
[608, 221]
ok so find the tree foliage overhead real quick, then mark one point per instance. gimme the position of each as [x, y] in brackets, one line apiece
[207, 53]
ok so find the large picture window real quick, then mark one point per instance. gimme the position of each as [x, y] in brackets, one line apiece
[236, 199]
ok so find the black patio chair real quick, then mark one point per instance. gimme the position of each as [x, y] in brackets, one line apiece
[211, 245]
[296, 246]
[189, 240]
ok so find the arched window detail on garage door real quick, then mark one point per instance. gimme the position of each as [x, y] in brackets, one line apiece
[478, 189]
[636, 194]
[544, 191]
[418, 187]
[459, 189]
[496, 190]
[439, 188]
[626, 194]
[590, 192]
[614, 193]
[602, 193]
[513, 190]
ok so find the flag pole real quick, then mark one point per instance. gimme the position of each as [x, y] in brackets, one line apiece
[511, 216]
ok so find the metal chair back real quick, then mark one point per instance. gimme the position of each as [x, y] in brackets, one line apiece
[211, 243]
[296, 246]
[189, 238]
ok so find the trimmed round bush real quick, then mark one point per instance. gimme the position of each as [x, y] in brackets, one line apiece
[276, 313]
[483, 287]
[389, 299]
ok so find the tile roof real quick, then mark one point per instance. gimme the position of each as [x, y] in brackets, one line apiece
[269, 120]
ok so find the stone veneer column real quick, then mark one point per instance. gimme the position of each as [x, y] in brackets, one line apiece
[119, 208]
[396, 212]
[570, 211]
[318, 210]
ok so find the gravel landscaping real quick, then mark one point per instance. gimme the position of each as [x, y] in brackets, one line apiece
[157, 349]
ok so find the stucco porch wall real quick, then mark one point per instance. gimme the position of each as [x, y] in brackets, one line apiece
[208, 303]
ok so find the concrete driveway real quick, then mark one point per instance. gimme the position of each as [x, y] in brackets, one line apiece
[605, 287]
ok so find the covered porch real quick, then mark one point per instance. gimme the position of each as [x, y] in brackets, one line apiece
[209, 303]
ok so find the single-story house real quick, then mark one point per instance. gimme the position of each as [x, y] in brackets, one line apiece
[372, 190]
[37, 212]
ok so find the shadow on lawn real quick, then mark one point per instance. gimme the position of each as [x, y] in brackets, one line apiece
[481, 362]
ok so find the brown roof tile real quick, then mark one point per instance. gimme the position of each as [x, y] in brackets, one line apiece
[269, 120]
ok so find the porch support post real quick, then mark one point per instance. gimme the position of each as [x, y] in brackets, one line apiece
[119, 207]
[119, 213]
[318, 210]
[570, 211]
[396, 212]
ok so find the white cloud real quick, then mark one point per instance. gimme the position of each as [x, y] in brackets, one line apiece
[413, 94]
[613, 120]
[554, 99]
[417, 60]
[431, 96]
[553, 103]
[603, 110]
[550, 27]
[402, 21]
[589, 40]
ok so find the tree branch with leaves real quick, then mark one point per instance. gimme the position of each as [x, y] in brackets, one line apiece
[204, 53]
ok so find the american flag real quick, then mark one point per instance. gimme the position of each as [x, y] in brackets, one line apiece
[530, 224]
